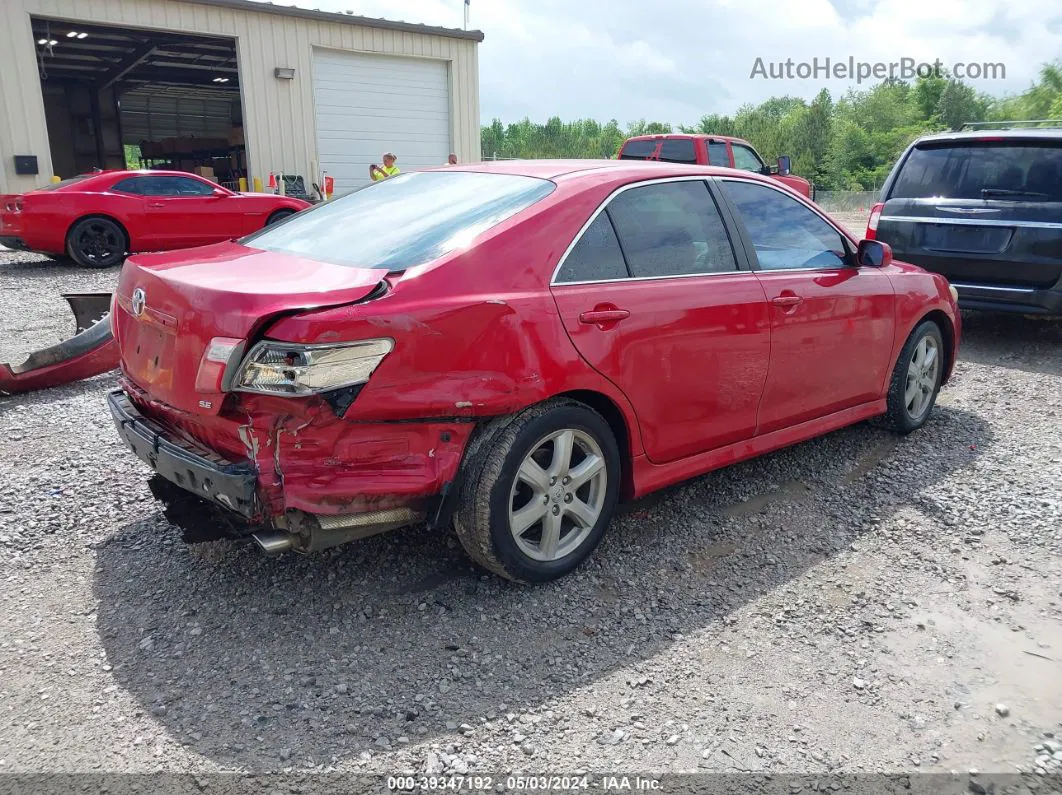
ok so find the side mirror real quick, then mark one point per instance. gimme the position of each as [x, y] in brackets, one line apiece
[784, 165]
[873, 254]
[220, 192]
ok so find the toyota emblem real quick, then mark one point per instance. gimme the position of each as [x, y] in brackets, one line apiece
[139, 301]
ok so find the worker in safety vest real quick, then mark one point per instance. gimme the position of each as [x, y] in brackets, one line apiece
[389, 168]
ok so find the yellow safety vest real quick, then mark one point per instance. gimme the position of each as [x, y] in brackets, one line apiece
[390, 171]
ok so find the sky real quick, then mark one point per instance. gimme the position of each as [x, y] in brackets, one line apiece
[677, 60]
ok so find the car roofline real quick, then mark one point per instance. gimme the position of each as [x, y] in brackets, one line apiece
[687, 136]
[576, 168]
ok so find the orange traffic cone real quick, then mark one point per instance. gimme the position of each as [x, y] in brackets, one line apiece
[272, 180]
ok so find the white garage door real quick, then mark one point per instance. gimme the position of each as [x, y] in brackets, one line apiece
[370, 104]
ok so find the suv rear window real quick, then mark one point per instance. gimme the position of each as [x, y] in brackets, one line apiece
[982, 170]
[638, 150]
[403, 221]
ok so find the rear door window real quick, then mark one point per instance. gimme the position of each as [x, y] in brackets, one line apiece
[678, 150]
[982, 170]
[671, 229]
[638, 150]
[597, 256]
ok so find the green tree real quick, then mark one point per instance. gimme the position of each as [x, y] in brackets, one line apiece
[958, 105]
[714, 124]
[927, 91]
[847, 144]
[1040, 101]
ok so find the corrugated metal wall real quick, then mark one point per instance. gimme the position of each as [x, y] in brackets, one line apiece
[279, 117]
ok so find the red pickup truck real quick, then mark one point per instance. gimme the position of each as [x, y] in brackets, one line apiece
[715, 150]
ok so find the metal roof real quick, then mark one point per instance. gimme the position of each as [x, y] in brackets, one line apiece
[348, 19]
[109, 55]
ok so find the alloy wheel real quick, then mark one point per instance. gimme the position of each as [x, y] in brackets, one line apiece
[558, 495]
[922, 372]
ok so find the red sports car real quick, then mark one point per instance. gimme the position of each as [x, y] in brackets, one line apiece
[514, 347]
[98, 218]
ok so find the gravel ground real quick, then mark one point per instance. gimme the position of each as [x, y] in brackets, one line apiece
[858, 603]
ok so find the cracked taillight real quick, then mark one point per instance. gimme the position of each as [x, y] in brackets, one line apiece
[216, 357]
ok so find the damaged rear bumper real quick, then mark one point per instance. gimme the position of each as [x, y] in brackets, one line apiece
[90, 352]
[327, 483]
[183, 464]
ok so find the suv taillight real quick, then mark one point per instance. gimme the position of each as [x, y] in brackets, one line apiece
[872, 224]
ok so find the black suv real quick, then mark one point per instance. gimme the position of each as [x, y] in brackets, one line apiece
[984, 209]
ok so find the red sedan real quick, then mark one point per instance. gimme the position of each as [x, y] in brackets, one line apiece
[514, 347]
[96, 219]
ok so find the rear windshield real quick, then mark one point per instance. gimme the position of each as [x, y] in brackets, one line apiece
[982, 170]
[65, 182]
[638, 150]
[403, 221]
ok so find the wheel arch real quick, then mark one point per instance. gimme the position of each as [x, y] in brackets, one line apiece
[609, 410]
[947, 330]
[617, 421]
[284, 211]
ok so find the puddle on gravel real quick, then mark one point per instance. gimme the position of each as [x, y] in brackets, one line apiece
[792, 491]
[866, 462]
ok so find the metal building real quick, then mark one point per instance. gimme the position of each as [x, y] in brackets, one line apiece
[227, 88]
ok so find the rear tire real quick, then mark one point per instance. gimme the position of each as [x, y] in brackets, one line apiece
[539, 491]
[97, 243]
[279, 216]
[915, 380]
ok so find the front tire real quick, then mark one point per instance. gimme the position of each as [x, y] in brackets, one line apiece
[916, 379]
[539, 492]
[96, 243]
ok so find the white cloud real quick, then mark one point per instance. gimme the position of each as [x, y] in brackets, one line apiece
[676, 60]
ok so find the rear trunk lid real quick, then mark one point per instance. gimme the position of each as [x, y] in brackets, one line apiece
[169, 307]
[979, 211]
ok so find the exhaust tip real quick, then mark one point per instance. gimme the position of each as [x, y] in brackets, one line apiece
[273, 542]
